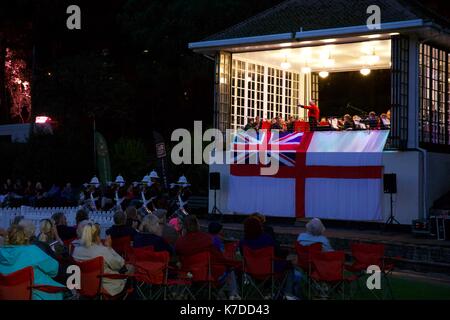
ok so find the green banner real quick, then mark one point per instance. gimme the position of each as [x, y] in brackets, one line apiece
[103, 164]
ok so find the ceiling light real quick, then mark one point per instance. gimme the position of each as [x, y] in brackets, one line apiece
[323, 74]
[285, 65]
[365, 71]
[328, 63]
[373, 36]
[306, 70]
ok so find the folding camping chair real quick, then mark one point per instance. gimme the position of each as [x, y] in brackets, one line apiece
[122, 246]
[19, 285]
[151, 271]
[327, 273]
[91, 280]
[259, 271]
[368, 254]
[204, 274]
[304, 260]
[231, 250]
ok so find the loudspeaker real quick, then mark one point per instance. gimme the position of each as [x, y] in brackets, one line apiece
[214, 180]
[390, 183]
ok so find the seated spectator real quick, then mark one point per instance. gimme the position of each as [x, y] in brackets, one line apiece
[47, 232]
[19, 254]
[255, 238]
[65, 232]
[150, 235]
[254, 235]
[133, 218]
[195, 241]
[169, 234]
[314, 234]
[215, 229]
[81, 215]
[67, 195]
[91, 247]
[120, 228]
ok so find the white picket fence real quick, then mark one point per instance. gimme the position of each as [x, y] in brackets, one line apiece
[7, 215]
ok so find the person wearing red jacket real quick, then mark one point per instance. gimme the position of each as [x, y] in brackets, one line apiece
[313, 114]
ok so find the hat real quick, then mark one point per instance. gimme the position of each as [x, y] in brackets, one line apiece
[215, 227]
[94, 182]
[183, 181]
[120, 180]
[146, 180]
[153, 175]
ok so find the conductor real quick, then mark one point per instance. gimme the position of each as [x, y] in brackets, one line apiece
[313, 114]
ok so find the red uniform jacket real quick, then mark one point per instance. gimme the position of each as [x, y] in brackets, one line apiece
[313, 111]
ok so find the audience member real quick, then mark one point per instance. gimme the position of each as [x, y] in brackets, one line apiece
[18, 254]
[314, 234]
[150, 235]
[91, 247]
[120, 228]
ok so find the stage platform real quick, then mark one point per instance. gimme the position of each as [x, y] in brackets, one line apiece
[422, 255]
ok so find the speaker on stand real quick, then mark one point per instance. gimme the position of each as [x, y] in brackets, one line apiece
[214, 184]
[390, 187]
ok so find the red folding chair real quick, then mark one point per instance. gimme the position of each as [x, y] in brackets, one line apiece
[122, 246]
[91, 280]
[231, 250]
[198, 269]
[368, 254]
[151, 271]
[327, 273]
[304, 260]
[139, 254]
[259, 270]
[19, 285]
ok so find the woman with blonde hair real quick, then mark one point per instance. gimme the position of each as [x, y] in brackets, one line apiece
[91, 247]
[48, 232]
[18, 254]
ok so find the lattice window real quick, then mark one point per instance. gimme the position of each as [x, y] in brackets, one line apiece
[434, 95]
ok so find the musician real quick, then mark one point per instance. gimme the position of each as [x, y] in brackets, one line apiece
[313, 114]
[373, 121]
[348, 123]
[385, 123]
[257, 123]
[120, 193]
[250, 124]
[146, 196]
[93, 194]
[277, 125]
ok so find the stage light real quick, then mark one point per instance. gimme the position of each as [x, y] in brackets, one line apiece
[43, 119]
[324, 74]
[365, 71]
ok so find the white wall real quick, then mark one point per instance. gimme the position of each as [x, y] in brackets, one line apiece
[407, 203]
[438, 176]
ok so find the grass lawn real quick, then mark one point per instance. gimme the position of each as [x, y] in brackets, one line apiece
[405, 287]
